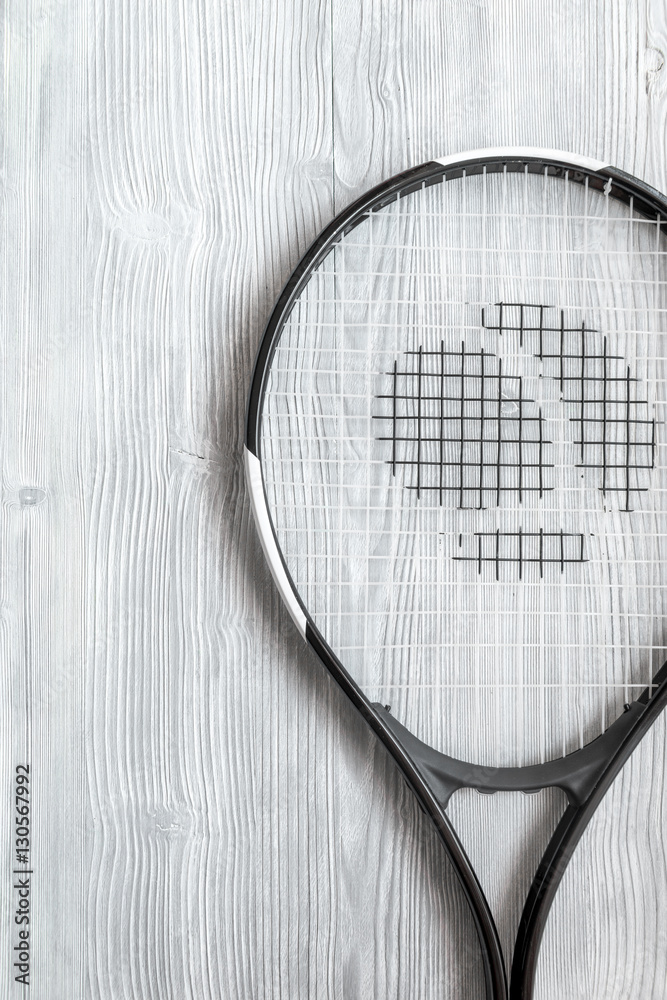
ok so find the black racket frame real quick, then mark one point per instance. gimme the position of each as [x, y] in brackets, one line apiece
[584, 775]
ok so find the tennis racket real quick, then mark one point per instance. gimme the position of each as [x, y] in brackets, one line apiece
[454, 457]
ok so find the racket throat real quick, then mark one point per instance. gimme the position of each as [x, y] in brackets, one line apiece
[577, 774]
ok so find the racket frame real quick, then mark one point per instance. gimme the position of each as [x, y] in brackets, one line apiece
[586, 774]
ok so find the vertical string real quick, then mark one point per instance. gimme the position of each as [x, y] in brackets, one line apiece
[394, 419]
[604, 416]
[627, 439]
[583, 391]
[481, 429]
[520, 442]
[442, 414]
[461, 450]
[562, 346]
[499, 438]
[419, 421]
[539, 456]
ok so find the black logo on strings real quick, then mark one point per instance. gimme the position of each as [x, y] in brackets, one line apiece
[462, 430]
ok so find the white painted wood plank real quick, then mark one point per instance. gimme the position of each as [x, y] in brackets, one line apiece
[43, 454]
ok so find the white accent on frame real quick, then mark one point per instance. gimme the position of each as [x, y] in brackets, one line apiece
[519, 152]
[263, 522]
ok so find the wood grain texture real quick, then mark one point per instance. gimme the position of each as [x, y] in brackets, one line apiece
[210, 817]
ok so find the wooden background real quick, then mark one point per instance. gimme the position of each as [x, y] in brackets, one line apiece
[211, 820]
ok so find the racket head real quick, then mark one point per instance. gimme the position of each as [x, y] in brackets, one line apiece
[606, 230]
